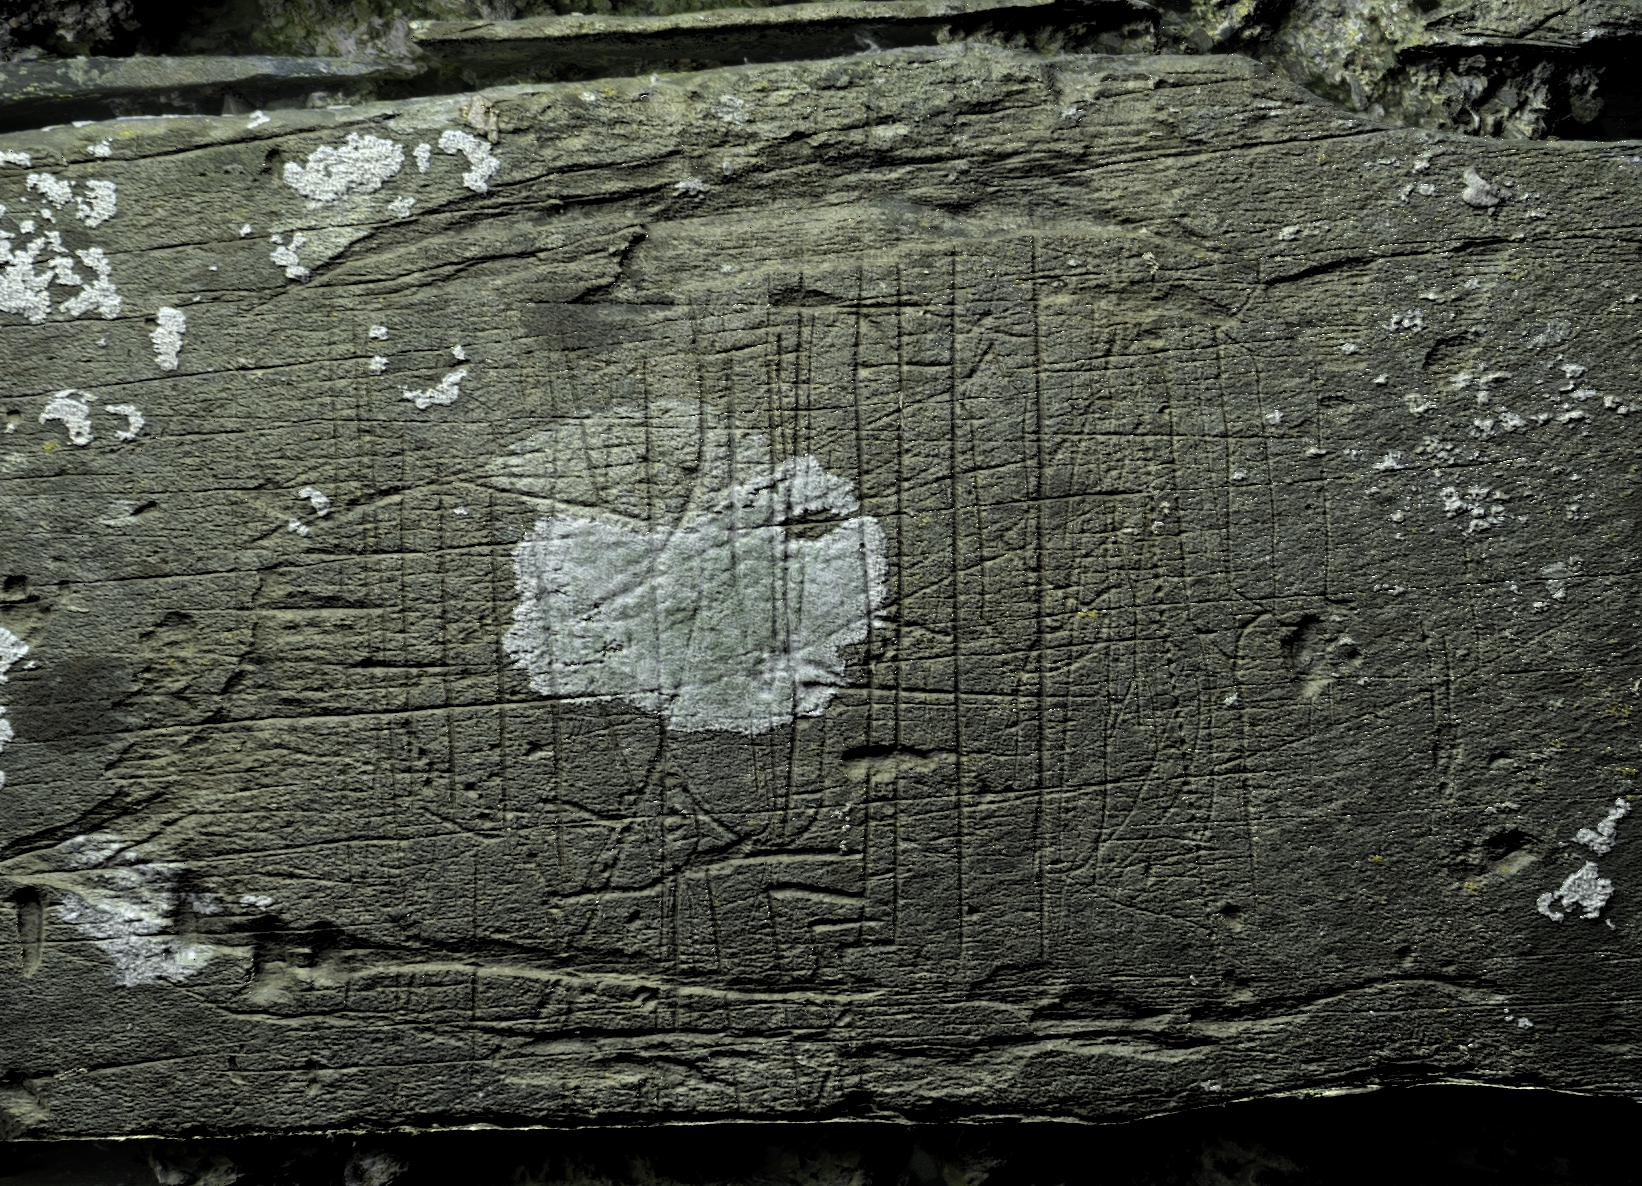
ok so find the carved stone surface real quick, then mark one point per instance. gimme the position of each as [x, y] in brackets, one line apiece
[942, 583]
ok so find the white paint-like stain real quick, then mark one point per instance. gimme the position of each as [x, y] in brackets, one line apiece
[360, 165]
[424, 157]
[687, 572]
[445, 394]
[286, 255]
[127, 906]
[1603, 837]
[483, 164]
[75, 416]
[459, 353]
[167, 338]
[122, 513]
[134, 420]
[1481, 193]
[12, 649]
[103, 148]
[401, 207]
[379, 333]
[321, 504]
[1583, 888]
[379, 363]
[245, 230]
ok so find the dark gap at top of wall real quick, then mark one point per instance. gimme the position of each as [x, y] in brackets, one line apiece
[1527, 69]
[1477, 1135]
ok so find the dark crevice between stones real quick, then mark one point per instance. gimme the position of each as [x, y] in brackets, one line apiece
[1523, 69]
[1478, 1135]
[452, 57]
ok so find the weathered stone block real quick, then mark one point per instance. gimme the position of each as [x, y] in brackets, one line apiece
[942, 583]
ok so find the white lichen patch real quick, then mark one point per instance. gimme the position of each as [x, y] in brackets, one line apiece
[23, 286]
[286, 255]
[167, 338]
[103, 148]
[1583, 888]
[732, 109]
[360, 165]
[379, 333]
[1483, 508]
[75, 415]
[128, 905]
[10, 157]
[379, 363]
[1557, 575]
[258, 118]
[401, 207]
[686, 571]
[1603, 837]
[424, 157]
[483, 164]
[134, 420]
[1302, 230]
[320, 503]
[49, 187]
[12, 650]
[297, 527]
[445, 394]
[99, 295]
[99, 206]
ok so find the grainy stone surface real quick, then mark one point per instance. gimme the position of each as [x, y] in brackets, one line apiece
[1255, 491]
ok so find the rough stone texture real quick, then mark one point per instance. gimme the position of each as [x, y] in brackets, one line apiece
[72, 26]
[1256, 489]
[1480, 67]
